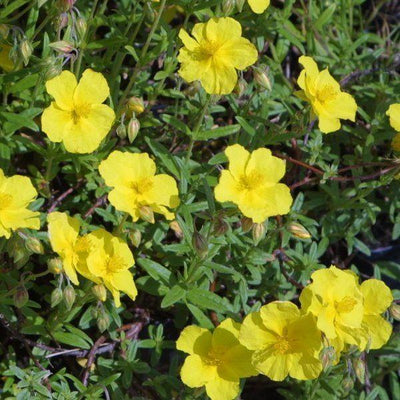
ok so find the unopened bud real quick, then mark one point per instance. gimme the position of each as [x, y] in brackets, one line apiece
[262, 79]
[240, 4]
[4, 30]
[103, 321]
[26, 50]
[359, 369]
[258, 233]
[200, 244]
[228, 6]
[56, 297]
[136, 105]
[55, 265]
[121, 131]
[395, 311]
[174, 225]
[135, 236]
[247, 224]
[347, 384]
[52, 70]
[220, 227]
[21, 297]
[240, 87]
[81, 27]
[34, 245]
[133, 129]
[327, 357]
[100, 292]
[147, 214]
[299, 231]
[62, 46]
[69, 296]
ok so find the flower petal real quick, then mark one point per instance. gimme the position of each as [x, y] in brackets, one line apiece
[377, 296]
[253, 333]
[123, 281]
[238, 158]
[62, 88]
[239, 53]
[222, 389]
[92, 89]
[54, 121]
[194, 340]
[259, 6]
[394, 113]
[195, 373]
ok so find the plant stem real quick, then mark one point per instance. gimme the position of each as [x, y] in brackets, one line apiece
[142, 56]
[196, 128]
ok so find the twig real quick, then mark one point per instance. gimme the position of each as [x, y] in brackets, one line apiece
[60, 198]
[98, 203]
[91, 358]
[280, 255]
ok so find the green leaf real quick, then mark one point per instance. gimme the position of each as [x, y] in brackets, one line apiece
[208, 300]
[173, 296]
[71, 339]
[155, 270]
[218, 132]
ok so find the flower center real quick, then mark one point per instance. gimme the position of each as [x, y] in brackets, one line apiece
[250, 182]
[80, 112]
[5, 200]
[326, 93]
[214, 357]
[142, 186]
[208, 49]
[282, 346]
[345, 305]
[114, 264]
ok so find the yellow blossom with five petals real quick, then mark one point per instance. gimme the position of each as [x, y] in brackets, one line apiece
[110, 259]
[394, 114]
[73, 249]
[136, 185]
[323, 92]
[16, 193]
[284, 341]
[216, 360]
[77, 117]
[214, 53]
[252, 183]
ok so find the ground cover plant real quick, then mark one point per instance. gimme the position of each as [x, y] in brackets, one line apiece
[199, 199]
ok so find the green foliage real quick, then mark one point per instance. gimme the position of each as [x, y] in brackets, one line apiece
[347, 200]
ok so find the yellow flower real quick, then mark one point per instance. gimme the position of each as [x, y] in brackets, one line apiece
[394, 113]
[323, 92]
[216, 360]
[137, 190]
[285, 342]
[110, 259]
[213, 56]
[259, 6]
[377, 299]
[77, 117]
[16, 193]
[66, 242]
[334, 297]
[251, 182]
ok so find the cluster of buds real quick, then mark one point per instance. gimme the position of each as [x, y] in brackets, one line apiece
[228, 6]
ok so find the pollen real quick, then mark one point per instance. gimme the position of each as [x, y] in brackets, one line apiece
[5, 200]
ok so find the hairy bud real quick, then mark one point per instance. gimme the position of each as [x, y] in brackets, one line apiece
[135, 105]
[200, 244]
[69, 296]
[121, 131]
[26, 50]
[34, 245]
[56, 297]
[147, 214]
[327, 357]
[247, 224]
[261, 78]
[395, 311]
[258, 233]
[133, 129]
[298, 230]
[135, 236]
[103, 321]
[21, 297]
[174, 225]
[228, 6]
[55, 265]
[62, 46]
[100, 292]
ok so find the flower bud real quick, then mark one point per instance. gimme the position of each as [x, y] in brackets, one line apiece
[103, 321]
[327, 357]
[56, 297]
[228, 6]
[149, 12]
[240, 87]
[69, 296]
[220, 227]
[395, 311]
[34, 245]
[121, 131]
[4, 30]
[55, 265]
[62, 46]
[147, 214]
[240, 4]
[100, 292]
[174, 225]
[261, 77]
[21, 297]
[347, 384]
[52, 69]
[26, 50]
[200, 244]
[135, 236]
[136, 105]
[81, 27]
[359, 369]
[133, 129]
[258, 233]
[299, 231]
[247, 224]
